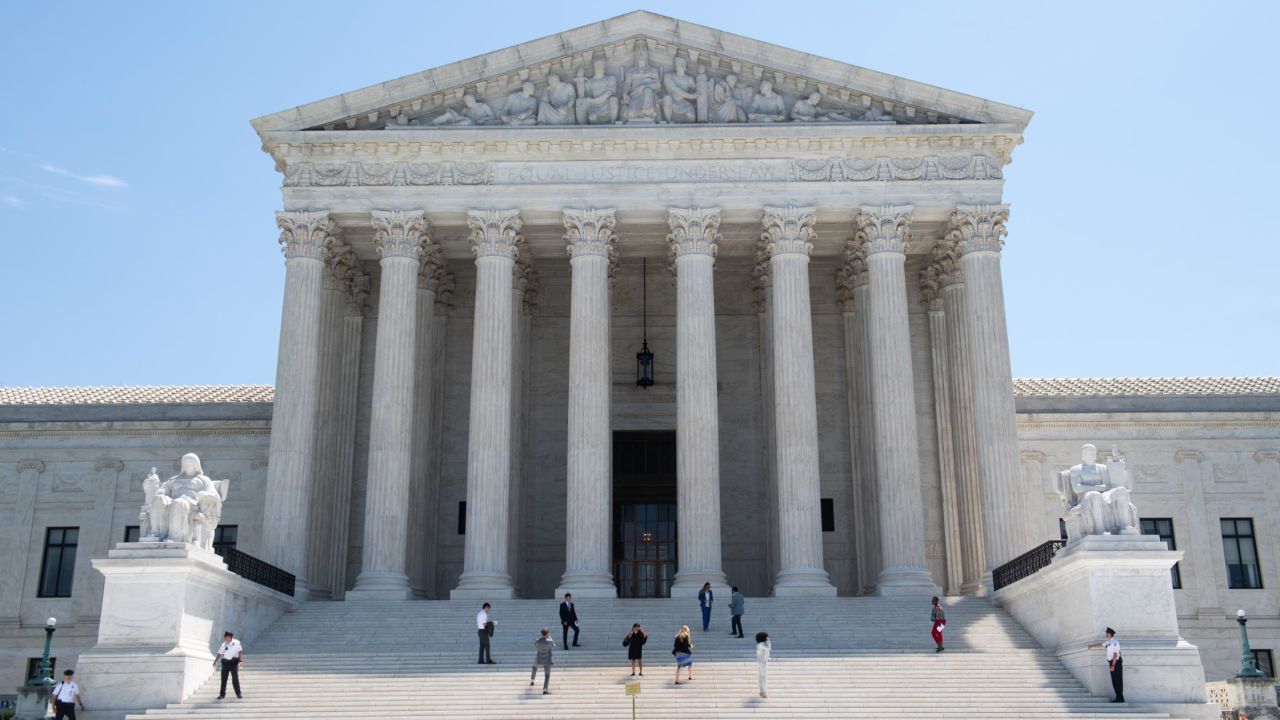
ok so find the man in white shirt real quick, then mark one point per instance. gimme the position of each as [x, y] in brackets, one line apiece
[66, 695]
[484, 630]
[1115, 663]
[231, 654]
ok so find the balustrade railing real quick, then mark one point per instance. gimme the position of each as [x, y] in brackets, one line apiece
[254, 570]
[1026, 564]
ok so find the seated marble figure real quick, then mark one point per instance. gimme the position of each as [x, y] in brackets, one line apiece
[186, 508]
[1097, 497]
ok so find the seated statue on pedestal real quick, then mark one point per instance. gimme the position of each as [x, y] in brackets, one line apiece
[1097, 496]
[185, 508]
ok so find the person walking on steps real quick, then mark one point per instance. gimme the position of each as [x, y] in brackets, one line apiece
[737, 605]
[569, 620]
[1115, 663]
[231, 653]
[66, 695]
[937, 623]
[683, 650]
[763, 648]
[705, 597]
[634, 643]
[484, 630]
[543, 647]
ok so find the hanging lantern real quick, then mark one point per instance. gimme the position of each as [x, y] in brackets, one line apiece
[644, 358]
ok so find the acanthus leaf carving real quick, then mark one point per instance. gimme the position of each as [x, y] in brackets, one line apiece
[694, 231]
[305, 233]
[399, 233]
[495, 233]
[789, 229]
[978, 228]
[886, 228]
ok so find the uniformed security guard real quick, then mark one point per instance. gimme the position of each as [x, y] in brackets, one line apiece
[231, 653]
[1115, 663]
[66, 695]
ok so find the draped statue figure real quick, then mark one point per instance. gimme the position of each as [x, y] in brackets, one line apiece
[1097, 496]
[186, 508]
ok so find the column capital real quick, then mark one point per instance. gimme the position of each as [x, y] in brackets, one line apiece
[305, 233]
[432, 268]
[399, 233]
[788, 229]
[694, 231]
[884, 229]
[340, 262]
[761, 277]
[931, 288]
[495, 233]
[590, 231]
[524, 278]
[946, 258]
[358, 287]
[978, 228]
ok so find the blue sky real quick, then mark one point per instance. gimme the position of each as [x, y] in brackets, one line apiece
[137, 243]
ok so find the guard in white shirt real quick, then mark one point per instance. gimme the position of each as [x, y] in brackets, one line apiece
[484, 630]
[66, 695]
[232, 656]
[1115, 663]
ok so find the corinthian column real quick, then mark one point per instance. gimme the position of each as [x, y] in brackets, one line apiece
[494, 235]
[590, 239]
[960, 376]
[695, 234]
[931, 293]
[979, 233]
[304, 236]
[788, 232]
[885, 231]
[400, 237]
[854, 276]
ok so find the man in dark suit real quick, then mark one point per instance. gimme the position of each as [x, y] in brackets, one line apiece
[569, 619]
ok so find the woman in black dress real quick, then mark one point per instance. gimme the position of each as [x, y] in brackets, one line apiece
[634, 643]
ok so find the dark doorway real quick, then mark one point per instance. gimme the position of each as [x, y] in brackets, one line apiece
[644, 527]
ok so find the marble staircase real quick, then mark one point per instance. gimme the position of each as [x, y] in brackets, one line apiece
[857, 658]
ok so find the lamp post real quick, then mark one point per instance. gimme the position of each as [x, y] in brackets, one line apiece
[1248, 667]
[644, 358]
[44, 672]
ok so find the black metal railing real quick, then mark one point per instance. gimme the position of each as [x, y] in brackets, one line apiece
[254, 570]
[1027, 564]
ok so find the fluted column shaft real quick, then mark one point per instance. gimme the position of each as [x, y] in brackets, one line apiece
[425, 483]
[285, 524]
[494, 235]
[694, 238]
[790, 232]
[345, 431]
[383, 575]
[885, 232]
[590, 237]
[868, 485]
[323, 465]
[969, 502]
[946, 448]
[979, 231]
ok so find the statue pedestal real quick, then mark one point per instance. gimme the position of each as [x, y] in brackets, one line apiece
[1118, 581]
[1256, 698]
[164, 609]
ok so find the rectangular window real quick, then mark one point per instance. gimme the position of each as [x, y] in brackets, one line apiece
[59, 566]
[225, 536]
[828, 515]
[462, 517]
[131, 533]
[1241, 554]
[1264, 661]
[33, 668]
[1164, 528]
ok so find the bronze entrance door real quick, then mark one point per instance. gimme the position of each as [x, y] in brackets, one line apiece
[644, 525]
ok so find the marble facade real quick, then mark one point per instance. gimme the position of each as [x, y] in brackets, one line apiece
[463, 304]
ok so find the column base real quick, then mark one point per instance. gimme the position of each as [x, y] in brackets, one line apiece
[804, 582]
[587, 585]
[380, 586]
[689, 582]
[896, 582]
[483, 586]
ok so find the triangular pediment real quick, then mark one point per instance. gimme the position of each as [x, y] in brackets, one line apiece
[602, 77]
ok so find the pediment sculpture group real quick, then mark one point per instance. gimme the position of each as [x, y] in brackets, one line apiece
[643, 94]
[186, 508]
[1097, 496]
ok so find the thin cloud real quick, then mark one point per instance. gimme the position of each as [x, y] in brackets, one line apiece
[110, 181]
[13, 201]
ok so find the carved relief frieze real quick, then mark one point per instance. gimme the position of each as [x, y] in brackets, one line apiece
[884, 168]
[358, 174]
[641, 80]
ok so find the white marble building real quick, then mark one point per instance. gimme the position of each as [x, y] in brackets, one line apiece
[457, 414]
